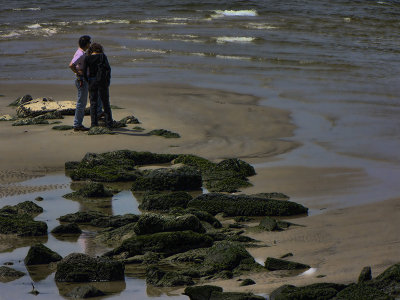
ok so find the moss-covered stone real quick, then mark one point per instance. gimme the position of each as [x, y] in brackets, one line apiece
[90, 190]
[268, 224]
[100, 130]
[21, 225]
[236, 165]
[202, 292]
[116, 165]
[164, 133]
[82, 217]
[242, 205]
[8, 274]
[273, 264]
[114, 221]
[62, 127]
[78, 267]
[168, 243]
[39, 254]
[234, 296]
[26, 207]
[71, 165]
[115, 236]
[30, 121]
[71, 228]
[180, 179]
[247, 281]
[200, 214]
[153, 223]
[318, 291]
[202, 164]
[165, 201]
[226, 234]
[160, 278]
[362, 292]
[224, 181]
[273, 195]
[149, 258]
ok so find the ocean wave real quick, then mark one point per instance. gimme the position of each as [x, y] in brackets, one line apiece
[264, 26]
[34, 26]
[148, 21]
[90, 22]
[234, 13]
[233, 57]
[27, 8]
[235, 39]
[10, 34]
[158, 51]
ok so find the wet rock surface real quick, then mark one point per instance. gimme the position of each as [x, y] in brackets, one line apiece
[78, 267]
[82, 217]
[273, 264]
[39, 254]
[90, 190]
[211, 292]
[165, 201]
[157, 277]
[67, 229]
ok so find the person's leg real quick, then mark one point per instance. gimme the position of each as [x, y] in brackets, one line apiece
[99, 106]
[81, 102]
[105, 99]
[94, 96]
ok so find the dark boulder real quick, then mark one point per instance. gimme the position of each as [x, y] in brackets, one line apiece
[39, 254]
[115, 221]
[78, 267]
[362, 292]
[236, 165]
[273, 264]
[234, 296]
[365, 275]
[71, 228]
[165, 201]
[21, 225]
[86, 291]
[90, 190]
[317, 291]
[26, 207]
[247, 282]
[159, 278]
[153, 223]
[168, 243]
[115, 236]
[202, 292]
[200, 214]
[8, 274]
[180, 179]
[242, 205]
[82, 217]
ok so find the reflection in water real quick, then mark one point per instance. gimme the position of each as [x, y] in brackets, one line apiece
[114, 287]
[41, 272]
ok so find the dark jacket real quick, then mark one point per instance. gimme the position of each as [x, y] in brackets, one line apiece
[91, 62]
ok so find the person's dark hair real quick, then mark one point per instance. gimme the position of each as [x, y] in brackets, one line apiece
[84, 40]
[95, 47]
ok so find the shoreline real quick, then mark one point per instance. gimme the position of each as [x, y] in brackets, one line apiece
[218, 124]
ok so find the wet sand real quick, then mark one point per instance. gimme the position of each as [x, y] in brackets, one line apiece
[218, 124]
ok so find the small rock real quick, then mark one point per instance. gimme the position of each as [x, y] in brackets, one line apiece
[365, 275]
[67, 229]
[39, 198]
[247, 282]
[273, 264]
[39, 254]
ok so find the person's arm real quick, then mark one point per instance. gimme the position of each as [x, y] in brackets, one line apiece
[72, 66]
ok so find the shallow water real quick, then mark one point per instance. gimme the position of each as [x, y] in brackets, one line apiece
[54, 205]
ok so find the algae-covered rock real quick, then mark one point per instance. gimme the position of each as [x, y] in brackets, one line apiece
[153, 223]
[100, 130]
[116, 165]
[365, 275]
[82, 217]
[51, 115]
[164, 133]
[247, 281]
[157, 277]
[273, 264]
[168, 243]
[67, 229]
[362, 292]
[21, 100]
[7, 118]
[202, 164]
[39, 254]
[78, 267]
[149, 258]
[202, 292]
[268, 224]
[86, 291]
[62, 127]
[42, 106]
[242, 205]
[130, 120]
[8, 274]
[200, 214]
[30, 121]
[273, 195]
[90, 190]
[26, 207]
[223, 181]
[21, 225]
[165, 201]
[114, 221]
[184, 178]
[234, 296]
[317, 291]
[114, 236]
[236, 165]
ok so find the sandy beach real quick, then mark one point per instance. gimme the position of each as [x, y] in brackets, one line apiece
[337, 242]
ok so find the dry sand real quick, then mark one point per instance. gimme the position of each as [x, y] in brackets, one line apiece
[217, 124]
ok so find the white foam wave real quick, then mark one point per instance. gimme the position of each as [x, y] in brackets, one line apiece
[27, 8]
[234, 39]
[10, 34]
[151, 50]
[309, 272]
[263, 26]
[233, 57]
[234, 13]
[148, 21]
[34, 26]
[107, 21]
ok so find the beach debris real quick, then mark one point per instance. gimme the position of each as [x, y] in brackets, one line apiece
[39, 254]
[159, 278]
[79, 267]
[30, 121]
[274, 264]
[287, 255]
[130, 120]
[172, 179]
[164, 133]
[90, 190]
[8, 274]
[208, 292]
[63, 127]
[21, 100]
[34, 291]
[7, 118]
[85, 291]
[99, 130]
[243, 205]
[71, 228]
[150, 223]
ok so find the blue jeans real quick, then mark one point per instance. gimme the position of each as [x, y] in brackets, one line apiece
[82, 101]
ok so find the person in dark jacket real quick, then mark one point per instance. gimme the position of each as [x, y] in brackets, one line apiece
[98, 87]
